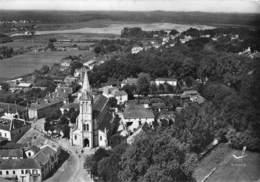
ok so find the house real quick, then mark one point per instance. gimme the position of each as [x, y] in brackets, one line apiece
[65, 64]
[13, 128]
[93, 121]
[136, 50]
[37, 139]
[170, 81]
[48, 159]
[193, 96]
[129, 81]
[135, 115]
[62, 91]
[15, 153]
[20, 170]
[120, 95]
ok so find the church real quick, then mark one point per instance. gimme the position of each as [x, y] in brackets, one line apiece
[94, 119]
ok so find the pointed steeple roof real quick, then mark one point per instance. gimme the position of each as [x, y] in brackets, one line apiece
[86, 85]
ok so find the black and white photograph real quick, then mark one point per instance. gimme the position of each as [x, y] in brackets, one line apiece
[129, 90]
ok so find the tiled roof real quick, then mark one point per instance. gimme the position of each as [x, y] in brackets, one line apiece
[104, 116]
[44, 155]
[133, 111]
[34, 137]
[11, 124]
[42, 103]
[11, 153]
[165, 79]
[11, 108]
[100, 103]
[19, 164]
[33, 148]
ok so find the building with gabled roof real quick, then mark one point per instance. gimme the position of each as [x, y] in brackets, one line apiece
[21, 170]
[93, 121]
[135, 115]
[48, 159]
[13, 128]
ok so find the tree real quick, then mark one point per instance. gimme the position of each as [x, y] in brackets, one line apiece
[5, 86]
[112, 102]
[155, 157]
[143, 84]
[75, 65]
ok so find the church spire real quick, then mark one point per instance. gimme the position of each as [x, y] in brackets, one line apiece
[86, 85]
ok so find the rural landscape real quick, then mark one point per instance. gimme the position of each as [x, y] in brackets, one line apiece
[129, 96]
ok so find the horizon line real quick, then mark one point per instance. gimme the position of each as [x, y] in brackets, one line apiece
[183, 11]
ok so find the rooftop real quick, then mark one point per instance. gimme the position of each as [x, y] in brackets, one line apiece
[11, 153]
[9, 124]
[44, 155]
[165, 79]
[34, 137]
[133, 111]
[19, 164]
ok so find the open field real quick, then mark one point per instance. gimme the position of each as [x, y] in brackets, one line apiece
[28, 62]
[115, 28]
[227, 167]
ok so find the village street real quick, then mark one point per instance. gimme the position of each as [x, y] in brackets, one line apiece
[72, 170]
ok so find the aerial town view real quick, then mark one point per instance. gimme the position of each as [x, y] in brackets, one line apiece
[129, 91]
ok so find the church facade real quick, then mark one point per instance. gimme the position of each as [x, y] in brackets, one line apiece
[92, 124]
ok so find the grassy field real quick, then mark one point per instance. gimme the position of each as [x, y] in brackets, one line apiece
[28, 62]
[229, 169]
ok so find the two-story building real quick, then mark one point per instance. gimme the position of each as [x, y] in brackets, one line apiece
[20, 170]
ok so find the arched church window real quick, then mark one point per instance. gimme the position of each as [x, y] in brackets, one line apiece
[87, 127]
[75, 137]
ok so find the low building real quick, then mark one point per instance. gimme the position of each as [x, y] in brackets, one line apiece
[13, 128]
[48, 158]
[135, 116]
[170, 81]
[20, 170]
[129, 81]
[136, 50]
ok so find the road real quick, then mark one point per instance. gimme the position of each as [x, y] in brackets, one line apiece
[72, 170]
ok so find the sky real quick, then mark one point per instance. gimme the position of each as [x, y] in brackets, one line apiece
[238, 6]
